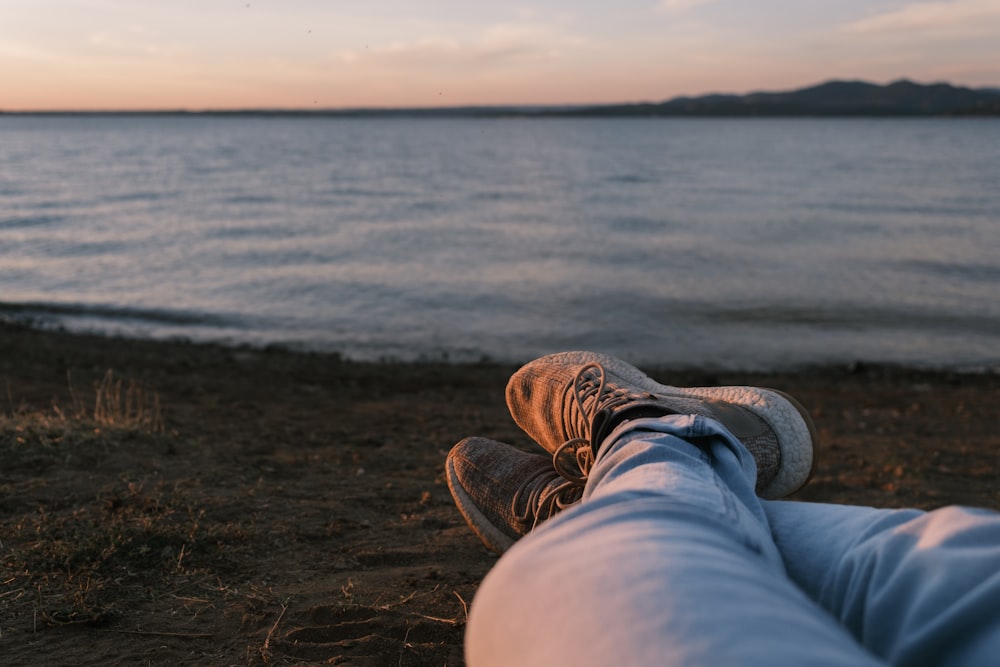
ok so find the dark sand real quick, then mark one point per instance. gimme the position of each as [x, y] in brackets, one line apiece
[294, 510]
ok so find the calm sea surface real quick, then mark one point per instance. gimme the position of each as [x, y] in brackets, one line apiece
[742, 243]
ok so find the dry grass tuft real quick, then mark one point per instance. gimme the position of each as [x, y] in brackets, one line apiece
[120, 403]
[91, 429]
[73, 561]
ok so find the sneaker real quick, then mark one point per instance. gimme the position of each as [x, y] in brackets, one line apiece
[575, 399]
[504, 492]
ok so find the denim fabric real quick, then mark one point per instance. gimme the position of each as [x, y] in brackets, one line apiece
[671, 559]
[916, 588]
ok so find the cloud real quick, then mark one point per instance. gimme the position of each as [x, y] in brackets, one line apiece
[961, 16]
[678, 6]
[494, 45]
[21, 51]
[132, 43]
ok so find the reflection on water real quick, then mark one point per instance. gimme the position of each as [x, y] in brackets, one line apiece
[740, 243]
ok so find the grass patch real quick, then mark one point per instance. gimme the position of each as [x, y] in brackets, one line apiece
[118, 411]
[88, 564]
[68, 556]
[121, 404]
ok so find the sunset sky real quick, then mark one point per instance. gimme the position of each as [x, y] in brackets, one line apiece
[211, 54]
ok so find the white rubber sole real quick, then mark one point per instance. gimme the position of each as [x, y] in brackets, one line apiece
[789, 419]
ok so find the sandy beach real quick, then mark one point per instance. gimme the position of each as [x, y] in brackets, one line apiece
[266, 507]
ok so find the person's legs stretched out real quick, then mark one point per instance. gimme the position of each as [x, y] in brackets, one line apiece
[668, 557]
[672, 557]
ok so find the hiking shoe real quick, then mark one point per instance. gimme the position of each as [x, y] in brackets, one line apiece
[503, 492]
[575, 399]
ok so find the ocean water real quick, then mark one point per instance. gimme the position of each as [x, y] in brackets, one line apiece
[728, 243]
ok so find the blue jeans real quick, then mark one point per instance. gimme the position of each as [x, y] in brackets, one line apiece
[671, 559]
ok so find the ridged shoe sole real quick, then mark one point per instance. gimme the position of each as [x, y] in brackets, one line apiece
[494, 539]
[791, 422]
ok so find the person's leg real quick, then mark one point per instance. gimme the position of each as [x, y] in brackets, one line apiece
[668, 559]
[915, 588]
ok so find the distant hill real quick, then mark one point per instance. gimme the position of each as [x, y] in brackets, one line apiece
[833, 98]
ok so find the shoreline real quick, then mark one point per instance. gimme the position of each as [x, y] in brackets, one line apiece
[103, 340]
[857, 403]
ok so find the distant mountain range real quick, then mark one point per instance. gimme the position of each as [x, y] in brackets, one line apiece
[833, 98]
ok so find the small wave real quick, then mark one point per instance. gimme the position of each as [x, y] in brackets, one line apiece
[149, 195]
[250, 232]
[70, 249]
[368, 193]
[637, 179]
[640, 224]
[497, 195]
[979, 273]
[251, 199]
[856, 318]
[30, 221]
[35, 311]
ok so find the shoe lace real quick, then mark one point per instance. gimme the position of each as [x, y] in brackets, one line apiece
[592, 401]
[543, 500]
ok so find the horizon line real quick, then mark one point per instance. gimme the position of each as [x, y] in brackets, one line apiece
[528, 108]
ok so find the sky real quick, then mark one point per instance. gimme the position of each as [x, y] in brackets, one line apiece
[237, 54]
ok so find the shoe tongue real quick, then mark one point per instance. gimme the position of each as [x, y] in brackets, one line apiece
[599, 429]
[607, 421]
